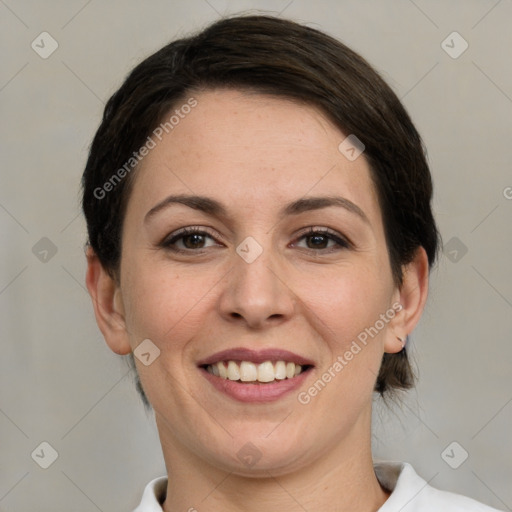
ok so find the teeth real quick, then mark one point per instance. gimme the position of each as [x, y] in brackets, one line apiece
[266, 372]
[223, 372]
[280, 370]
[250, 372]
[233, 371]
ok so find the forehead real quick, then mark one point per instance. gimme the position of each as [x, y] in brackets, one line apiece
[251, 150]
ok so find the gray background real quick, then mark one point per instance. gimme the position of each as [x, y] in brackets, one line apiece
[60, 383]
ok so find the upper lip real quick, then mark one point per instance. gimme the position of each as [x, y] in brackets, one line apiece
[255, 356]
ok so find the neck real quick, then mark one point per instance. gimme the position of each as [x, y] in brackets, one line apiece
[340, 479]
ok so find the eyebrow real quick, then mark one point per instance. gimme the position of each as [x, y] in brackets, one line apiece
[212, 207]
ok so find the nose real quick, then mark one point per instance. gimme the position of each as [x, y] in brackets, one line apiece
[257, 293]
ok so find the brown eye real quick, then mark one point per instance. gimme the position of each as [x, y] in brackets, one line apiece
[189, 239]
[322, 240]
[193, 241]
[317, 241]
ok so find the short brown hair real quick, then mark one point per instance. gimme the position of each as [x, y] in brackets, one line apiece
[285, 59]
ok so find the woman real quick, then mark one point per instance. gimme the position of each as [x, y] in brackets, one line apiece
[260, 239]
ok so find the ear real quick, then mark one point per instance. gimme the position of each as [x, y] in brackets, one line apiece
[108, 304]
[412, 295]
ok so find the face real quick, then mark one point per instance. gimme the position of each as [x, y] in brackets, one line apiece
[285, 251]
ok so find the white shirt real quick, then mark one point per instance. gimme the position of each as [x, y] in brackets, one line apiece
[409, 493]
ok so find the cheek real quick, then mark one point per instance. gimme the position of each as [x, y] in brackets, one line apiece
[169, 308]
[346, 301]
[166, 305]
[347, 313]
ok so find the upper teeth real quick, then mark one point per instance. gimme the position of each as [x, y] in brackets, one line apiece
[250, 372]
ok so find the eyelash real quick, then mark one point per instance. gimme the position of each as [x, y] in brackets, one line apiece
[325, 232]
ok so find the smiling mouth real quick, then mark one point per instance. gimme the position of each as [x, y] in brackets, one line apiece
[251, 373]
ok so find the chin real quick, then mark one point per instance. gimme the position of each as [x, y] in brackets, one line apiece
[253, 454]
[252, 461]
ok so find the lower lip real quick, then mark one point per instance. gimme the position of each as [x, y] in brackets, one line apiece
[263, 392]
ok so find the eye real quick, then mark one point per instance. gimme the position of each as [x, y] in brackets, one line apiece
[195, 239]
[322, 239]
[188, 239]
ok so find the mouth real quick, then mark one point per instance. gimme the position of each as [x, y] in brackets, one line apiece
[252, 373]
[255, 375]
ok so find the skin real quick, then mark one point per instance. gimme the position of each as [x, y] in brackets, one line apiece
[254, 154]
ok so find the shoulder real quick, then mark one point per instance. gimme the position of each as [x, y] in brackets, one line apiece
[411, 493]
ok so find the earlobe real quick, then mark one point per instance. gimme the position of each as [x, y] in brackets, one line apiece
[394, 343]
[108, 305]
[412, 295]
